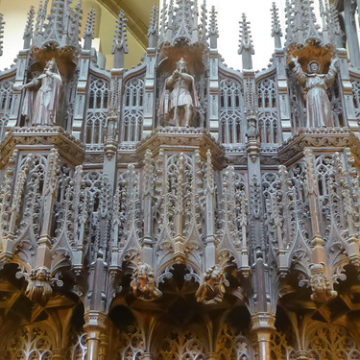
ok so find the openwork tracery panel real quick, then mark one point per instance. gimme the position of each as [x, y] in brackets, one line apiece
[181, 345]
[129, 345]
[279, 348]
[78, 347]
[6, 99]
[28, 344]
[231, 111]
[133, 110]
[96, 113]
[232, 345]
[332, 342]
[269, 125]
[356, 96]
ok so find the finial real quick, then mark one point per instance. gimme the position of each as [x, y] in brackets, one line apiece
[246, 48]
[289, 20]
[276, 32]
[213, 28]
[153, 27]
[163, 18]
[40, 18]
[29, 28]
[335, 26]
[2, 24]
[76, 21]
[120, 47]
[89, 29]
[203, 22]
[309, 21]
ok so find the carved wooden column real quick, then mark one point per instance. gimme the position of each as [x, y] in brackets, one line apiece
[209, 219]
[95, 325]
[50, 189]
[263, 324]
[321, 282]
[148, 213]
[351, 32]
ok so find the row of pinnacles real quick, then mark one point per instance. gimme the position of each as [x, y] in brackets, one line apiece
[181, 209]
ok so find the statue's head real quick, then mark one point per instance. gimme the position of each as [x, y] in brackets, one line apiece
[181, 65]
[50, 65]
[314, 67]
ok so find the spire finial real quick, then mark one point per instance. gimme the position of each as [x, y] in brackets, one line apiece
[120, 47]
[29, 28]
[40, 18]
[163, 18]
[203, 22]
[309, 21]
[89, 29]
[276, 32]
[213, 28]
[289, 20]
[153, 27]
[2, 24]
[246, 48]
[335, 26]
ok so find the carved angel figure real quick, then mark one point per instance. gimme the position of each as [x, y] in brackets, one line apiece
[39, 285]
[179, 97]
[320, 284]
[212, 289]
[318, 106]
[143, 283]
[42, 96]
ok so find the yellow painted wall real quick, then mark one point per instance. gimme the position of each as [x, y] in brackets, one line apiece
[15, 15]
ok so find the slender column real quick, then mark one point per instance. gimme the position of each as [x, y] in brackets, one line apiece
[209, 208]
[95, 325]
[351, 33]
[263, 324]
[43, 257]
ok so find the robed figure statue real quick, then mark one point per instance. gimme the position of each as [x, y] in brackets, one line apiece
[318, 106]
[42, 96]
[179, 97]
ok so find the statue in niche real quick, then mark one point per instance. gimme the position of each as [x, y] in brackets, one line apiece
[42, 96]
[212, 289]
[179, 98]
[318, 106]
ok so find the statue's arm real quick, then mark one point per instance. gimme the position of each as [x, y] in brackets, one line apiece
[170, 82]
[330, 76]
[33, 84]
[298, 71]
[55, 76]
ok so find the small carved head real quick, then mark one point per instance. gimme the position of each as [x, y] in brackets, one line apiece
[314, 67]
[50, 65]
[181, 65]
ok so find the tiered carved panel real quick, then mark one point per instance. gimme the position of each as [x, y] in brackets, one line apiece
[269, 124]
[98, 101]
[133, 110]
[6, 100]
[231, 111]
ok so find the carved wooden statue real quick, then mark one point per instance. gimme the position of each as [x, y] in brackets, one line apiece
[143, 283]
[179, 97]
[39, 285]
[212, 290]
[318, 105]
[42, 97]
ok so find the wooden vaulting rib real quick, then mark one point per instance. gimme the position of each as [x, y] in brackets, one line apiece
[137, 12]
